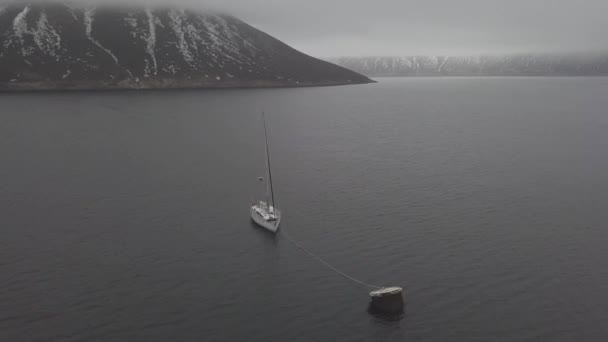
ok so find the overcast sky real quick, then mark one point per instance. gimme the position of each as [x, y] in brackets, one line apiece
[327, 28]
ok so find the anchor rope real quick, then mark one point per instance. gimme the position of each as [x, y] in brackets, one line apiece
[319, 259]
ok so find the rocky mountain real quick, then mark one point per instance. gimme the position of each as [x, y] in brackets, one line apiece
[509, 65]
[65, 46]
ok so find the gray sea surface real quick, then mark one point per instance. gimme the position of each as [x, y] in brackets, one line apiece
[124, 215]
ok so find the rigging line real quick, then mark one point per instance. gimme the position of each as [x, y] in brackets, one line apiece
[268, 163]
[302, 248]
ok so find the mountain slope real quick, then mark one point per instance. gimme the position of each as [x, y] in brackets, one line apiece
[60, 46]
[510, 65]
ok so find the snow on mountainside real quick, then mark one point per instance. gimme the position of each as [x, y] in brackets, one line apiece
[509, 65]
[62, 46]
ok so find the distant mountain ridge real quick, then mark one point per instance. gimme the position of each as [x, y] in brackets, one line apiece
[508, 65]
[60, 45]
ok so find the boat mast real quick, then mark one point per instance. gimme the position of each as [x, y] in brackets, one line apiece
[268, 165]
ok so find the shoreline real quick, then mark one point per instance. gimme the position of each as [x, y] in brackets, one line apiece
[163, 84]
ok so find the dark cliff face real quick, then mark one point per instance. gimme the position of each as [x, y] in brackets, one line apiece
[59, 46]
[514, 65]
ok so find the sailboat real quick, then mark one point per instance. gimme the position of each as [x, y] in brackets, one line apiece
[265, 212]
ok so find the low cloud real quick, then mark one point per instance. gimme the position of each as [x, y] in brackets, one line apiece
[413, 27]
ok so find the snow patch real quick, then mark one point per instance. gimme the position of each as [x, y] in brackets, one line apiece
[73, 14]
[221, 35]
[443, 63]
[44, 35]
[194, 36]
[223, 39]
[177, 24]
[158, 22]
[151, 40]
[88, 24]
[19, 24]
[171, 69]
[408, 63]
[20, 29]
[47, 39]
[131, 22]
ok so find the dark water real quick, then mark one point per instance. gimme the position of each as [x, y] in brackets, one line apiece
[124, 216]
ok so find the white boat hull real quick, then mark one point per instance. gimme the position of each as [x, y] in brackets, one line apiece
[262, 221]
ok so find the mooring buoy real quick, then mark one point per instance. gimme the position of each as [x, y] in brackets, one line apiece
[385, 300]
[388, 300]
